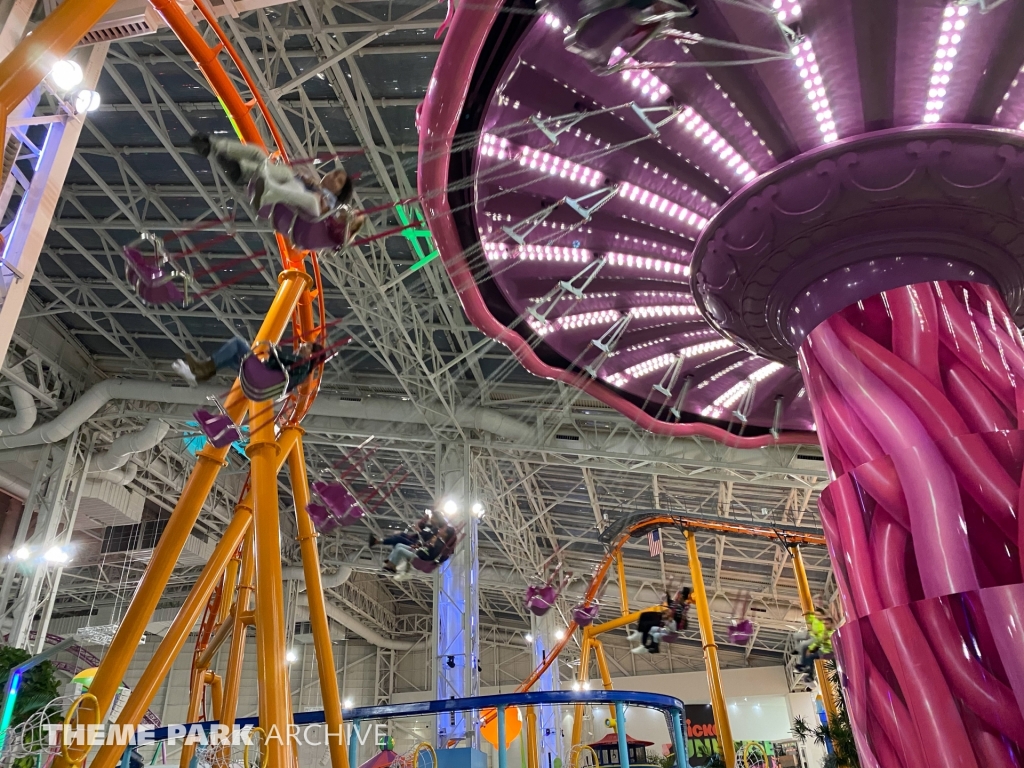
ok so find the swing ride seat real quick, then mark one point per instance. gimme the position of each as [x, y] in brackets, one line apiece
[152, 281]
[597, 35]
[321, 517]
[218, 428]
[425, 566]
[340, 502]
[741, 631]
[259, 382]
[584, 615]
[538, 600]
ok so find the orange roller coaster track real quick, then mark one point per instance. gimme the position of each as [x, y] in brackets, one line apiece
[636, 525]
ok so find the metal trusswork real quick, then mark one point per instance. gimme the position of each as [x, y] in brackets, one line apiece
[20, 251]
[457, 607]
[546, 631]
[30, 583]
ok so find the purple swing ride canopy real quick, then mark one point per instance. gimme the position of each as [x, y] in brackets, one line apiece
[660, 148]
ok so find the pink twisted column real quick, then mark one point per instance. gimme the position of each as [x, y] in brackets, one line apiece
[918, 396]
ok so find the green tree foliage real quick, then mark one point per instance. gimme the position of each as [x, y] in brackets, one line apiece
[38, 687]
[838, 733]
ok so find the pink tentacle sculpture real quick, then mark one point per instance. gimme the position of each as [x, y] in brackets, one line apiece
[924, 391]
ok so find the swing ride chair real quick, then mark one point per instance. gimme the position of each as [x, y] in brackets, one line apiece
[741, 631]
[313, 234]
[337, 506]
[260, 382]
[612, 34]
[429, 566]
[541, 596]
[584, 615]
[217, 427]
[151, 275]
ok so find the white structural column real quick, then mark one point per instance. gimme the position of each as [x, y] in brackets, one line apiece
[457, 603]
[32, 576]
[35, 212]
[546, 630]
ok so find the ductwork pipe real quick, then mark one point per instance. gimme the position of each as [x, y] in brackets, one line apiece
[13, 486]
[128, 445]
[327, 580]
[352, 624]
[122, 476]
[97, 396]
[24, 412]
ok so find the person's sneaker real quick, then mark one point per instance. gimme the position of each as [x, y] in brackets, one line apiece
[374, 540]
[390, 567]
[203, 370]
[181, 368]
[201, 143]
[633, 635]
[638, 650]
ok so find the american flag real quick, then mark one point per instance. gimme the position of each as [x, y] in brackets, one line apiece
[654, 542]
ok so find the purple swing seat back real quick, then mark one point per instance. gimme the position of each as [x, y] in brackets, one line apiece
[151, 281]
[539, 600]
[584, 615]
[259, 382]
[741, 631]
[310, 234]
[321, 517]
[343, 507]
[218, 428]
[426, 566]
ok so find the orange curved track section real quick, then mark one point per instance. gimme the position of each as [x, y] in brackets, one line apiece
[641, 526]
[207, 58]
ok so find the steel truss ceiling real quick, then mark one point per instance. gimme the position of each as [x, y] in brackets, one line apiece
[343, 79]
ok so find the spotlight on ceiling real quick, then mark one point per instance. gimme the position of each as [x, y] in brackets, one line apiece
[66, 74]
[86, 101]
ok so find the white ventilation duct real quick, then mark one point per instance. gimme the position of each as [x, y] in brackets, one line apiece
[355, 625]
[24, 412]
[97, 396]
[130, 444]
[374, 409]
[327, 580]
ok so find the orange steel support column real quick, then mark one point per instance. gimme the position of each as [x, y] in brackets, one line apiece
[602, 665]
[828, 698]
[31, 60]
[620, 568]
[239, 631]
[156, 671]
[229, 588]
[317, 606]
[271, 665]
[210, 460]
[707, 636]
[582, 677]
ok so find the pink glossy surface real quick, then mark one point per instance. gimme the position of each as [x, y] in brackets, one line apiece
[917, 395]
[437, 123]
